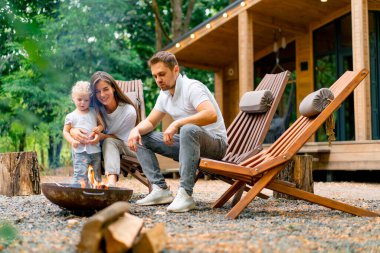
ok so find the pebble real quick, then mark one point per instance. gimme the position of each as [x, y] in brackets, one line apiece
[272, 225]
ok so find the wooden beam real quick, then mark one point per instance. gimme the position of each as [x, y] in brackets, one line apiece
[360, 50]
[373, 5]
[305, 78]
[218, 79]
[245, 30]
[194, 65]
[327, 19]
[276, 23]
[214, 24]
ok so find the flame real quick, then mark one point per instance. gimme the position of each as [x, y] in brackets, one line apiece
[82, 183]
[93, 182]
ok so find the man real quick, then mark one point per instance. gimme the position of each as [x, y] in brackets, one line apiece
[202, 133]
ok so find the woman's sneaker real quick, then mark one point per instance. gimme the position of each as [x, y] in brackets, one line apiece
[182, 202]
[156, 197]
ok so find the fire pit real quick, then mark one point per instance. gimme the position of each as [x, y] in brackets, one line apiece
[74, 198]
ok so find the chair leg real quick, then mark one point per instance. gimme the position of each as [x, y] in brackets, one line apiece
[198, 175]
[228, 194]
[237, 196]
[255, 190]
[142, 179]
[333, 204]
[246, 188]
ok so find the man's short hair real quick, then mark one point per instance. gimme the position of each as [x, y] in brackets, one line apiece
[165, 57]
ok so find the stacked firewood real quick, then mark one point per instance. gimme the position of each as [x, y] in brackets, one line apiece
[114, 230]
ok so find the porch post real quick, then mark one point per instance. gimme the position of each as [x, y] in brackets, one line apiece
[218, 81]
[360, 51]
[245, 52]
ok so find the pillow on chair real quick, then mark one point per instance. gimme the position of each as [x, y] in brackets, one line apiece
[256, 101]
[315, 102]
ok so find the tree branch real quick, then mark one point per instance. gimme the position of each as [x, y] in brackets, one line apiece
[189, 11]
[156, 12]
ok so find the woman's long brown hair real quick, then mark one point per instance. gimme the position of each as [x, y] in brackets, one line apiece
[120, 97]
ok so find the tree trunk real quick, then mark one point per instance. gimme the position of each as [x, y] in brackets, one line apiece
[299, 171]
[19, 174]
[159, 24]
[51, 151]
[158, 31]
[177, 18]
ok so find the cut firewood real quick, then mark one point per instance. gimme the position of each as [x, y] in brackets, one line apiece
[93, 231]
[121, 234]
[152, 241]
[19, 174]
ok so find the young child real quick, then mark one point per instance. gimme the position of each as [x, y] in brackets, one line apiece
[85, 118]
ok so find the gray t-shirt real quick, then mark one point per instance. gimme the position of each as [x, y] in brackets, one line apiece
[188, 95]
[121, 121]
[86, 122]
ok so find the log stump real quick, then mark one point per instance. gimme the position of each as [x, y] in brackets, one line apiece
[299, 171]
[19, 174]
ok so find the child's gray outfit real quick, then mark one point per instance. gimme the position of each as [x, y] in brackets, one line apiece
[85, 154]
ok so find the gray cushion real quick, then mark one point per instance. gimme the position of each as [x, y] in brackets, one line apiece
[315, 102]
[256, 101]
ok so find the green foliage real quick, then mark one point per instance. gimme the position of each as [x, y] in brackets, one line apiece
[8, 233]
[46, 46]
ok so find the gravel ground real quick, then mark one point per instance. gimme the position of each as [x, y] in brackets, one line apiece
[272, 225]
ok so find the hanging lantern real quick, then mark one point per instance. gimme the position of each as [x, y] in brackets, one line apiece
[283, 42]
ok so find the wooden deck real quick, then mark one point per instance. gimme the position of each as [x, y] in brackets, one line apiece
[343, 155]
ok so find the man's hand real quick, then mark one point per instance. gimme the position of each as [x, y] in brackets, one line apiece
[133, 139]
[170, 132]
[79, 135]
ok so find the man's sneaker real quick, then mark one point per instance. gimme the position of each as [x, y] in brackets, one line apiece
[182, 202]
[156, 197]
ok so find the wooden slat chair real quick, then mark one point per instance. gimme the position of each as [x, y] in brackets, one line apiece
[261, 169]
[129, 164]
[247, 132]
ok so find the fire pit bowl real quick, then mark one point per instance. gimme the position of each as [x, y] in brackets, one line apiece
[74, 198]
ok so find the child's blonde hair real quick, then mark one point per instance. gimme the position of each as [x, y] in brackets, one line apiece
[81, 87]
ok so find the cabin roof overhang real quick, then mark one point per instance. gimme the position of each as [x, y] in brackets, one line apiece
[214, 43]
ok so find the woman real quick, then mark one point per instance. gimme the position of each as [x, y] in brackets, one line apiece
[119, 116]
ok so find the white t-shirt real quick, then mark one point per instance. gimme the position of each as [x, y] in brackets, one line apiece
[188, 95]
[121, 121]
[86, 122]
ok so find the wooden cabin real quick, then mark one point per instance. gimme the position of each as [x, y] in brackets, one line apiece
[315, 39]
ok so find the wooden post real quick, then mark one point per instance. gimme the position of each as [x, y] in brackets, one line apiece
[360, 54]
[218, 77]
[299, 171]
[245, 22]
[19, 174]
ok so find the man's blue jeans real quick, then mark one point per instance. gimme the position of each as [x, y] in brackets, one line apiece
[192, 143]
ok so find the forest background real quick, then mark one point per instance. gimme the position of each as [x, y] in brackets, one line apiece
[46, 46]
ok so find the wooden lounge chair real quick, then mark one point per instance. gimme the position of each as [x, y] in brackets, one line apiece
[129, 164]
[260, 170]
[247, 132]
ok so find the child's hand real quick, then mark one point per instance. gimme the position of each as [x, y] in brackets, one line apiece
[94, 139]
[75, 143]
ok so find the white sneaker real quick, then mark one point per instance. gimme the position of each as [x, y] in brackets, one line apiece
[156, 197]
[182, 202]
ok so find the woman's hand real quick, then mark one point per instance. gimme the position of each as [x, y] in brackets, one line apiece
[79, 135]
[133, 139]
[94, 139]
